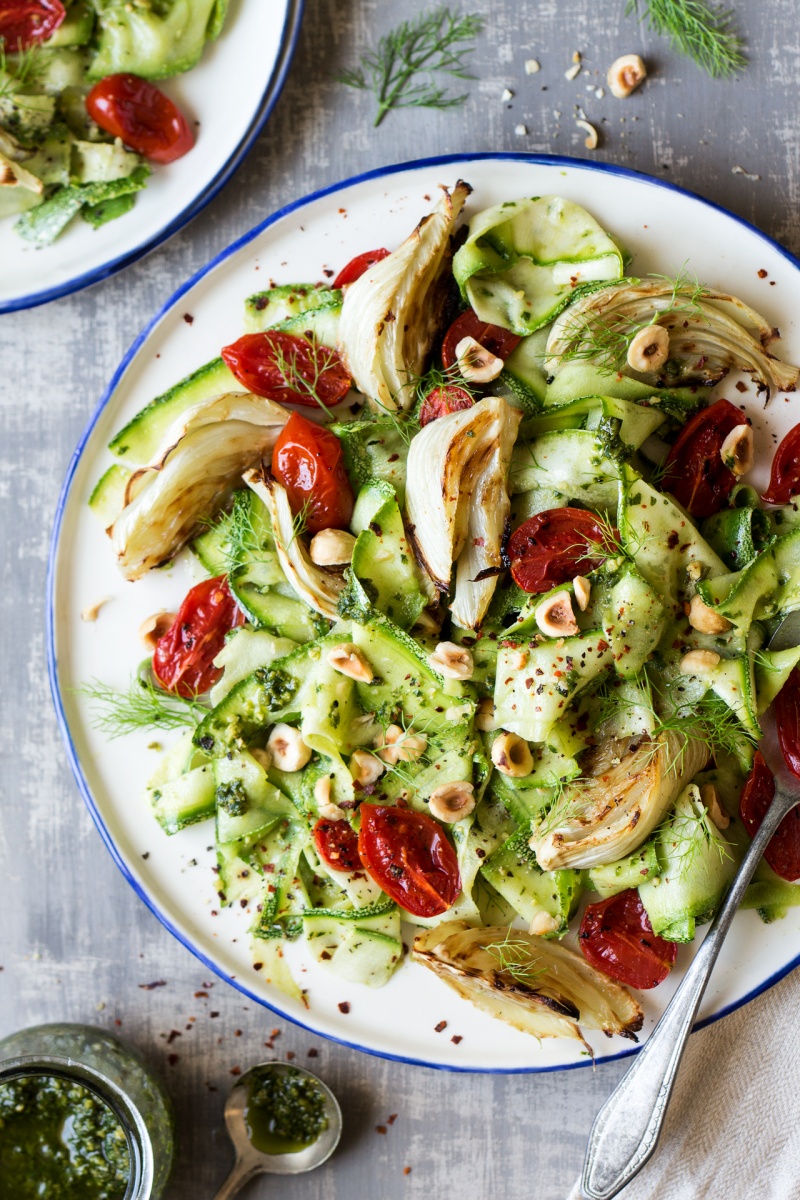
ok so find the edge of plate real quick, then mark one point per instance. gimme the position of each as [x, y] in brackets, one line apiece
[274, 87]
[52, 662]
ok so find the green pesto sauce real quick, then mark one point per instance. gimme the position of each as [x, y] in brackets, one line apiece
[58, 1141]
[285, 1111]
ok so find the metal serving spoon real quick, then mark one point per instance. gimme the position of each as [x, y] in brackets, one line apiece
[249, 1161]
[627, 1127]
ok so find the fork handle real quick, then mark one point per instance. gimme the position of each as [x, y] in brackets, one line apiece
[627, 1127]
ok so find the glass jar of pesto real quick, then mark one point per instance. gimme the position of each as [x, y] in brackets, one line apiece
[86, 1113]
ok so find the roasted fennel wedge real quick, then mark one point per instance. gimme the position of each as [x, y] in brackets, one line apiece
[614, 807]
[538, 986]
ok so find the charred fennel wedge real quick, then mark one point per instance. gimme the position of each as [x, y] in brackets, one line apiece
[391, 315]
[709, 334]
[607, 814]
[457, 501]
[535, 985]
[190, 479]
[319, 587]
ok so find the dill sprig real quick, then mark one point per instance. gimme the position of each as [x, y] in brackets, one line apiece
[429, 43]
[514, 958]
[18, 68]
[300, 521]
[143, 706]
[702, 31]
[689, 832]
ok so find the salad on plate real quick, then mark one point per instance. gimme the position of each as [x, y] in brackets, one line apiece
[481, 643]
[81, 121]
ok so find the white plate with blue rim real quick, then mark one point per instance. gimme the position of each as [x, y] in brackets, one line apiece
[230, 94]
[415, 1018]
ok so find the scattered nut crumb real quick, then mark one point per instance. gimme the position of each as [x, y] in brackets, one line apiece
[507, 94]
[573, 72]
[521, 130]
[90, 613]
[591, 134]
[532, 66]
[737, 170]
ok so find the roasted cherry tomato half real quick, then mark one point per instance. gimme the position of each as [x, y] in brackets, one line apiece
[409, 855]
[694, 471]
[288, 369]
[24, 23]
[497, 341]
[308, 461]
[616, 937]
[783, 850]
[138, 112]
[787, 719]
[183, 660]
[357, 266]
[337, 844]
[441, 401]
[555, 546]
[784, 480]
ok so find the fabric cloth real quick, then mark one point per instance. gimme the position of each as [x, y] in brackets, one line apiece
[732, 1130]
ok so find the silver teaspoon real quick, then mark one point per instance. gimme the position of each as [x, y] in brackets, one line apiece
[627, 1127]
[249, 1160]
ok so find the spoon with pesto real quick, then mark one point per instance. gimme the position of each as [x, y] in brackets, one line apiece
[282, 1120]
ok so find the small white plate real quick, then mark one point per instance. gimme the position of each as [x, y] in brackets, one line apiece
[230, 92]
[663, 227]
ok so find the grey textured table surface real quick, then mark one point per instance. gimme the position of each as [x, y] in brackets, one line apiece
[75, 943]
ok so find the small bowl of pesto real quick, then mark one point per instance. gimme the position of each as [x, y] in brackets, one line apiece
[282, 1120]
[82, 1117]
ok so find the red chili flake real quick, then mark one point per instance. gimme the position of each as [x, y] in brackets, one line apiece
[188, 318]
[442, 1025]
[313, 1053]
[236, 1070]
[290, 1055]
[762, 274]
[406, 1170]
[328, 273]
[116, 1019]
[213, 1014]
[201, 995]
[172, 1059]
[175, 1033]
[390, 1120]
[741, 387]
[456, 1038]
[344, 1007]
[274, 1033]
[380, 1129]
[237, 1033]
[258, 966]
[149, 987]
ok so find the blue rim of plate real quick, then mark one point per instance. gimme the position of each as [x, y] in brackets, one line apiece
[52, 664]
[288, 45]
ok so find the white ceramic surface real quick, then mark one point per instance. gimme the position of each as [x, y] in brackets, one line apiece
[229, 93]
[663, 228]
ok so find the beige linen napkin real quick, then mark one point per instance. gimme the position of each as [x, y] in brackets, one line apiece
[733, 1127]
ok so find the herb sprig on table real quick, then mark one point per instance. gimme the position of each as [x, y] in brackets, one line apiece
[702, 31]
[431, 43]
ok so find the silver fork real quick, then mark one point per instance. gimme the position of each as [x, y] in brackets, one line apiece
[627, 1127]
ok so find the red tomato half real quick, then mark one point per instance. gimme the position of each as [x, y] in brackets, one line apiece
[357, 266]
[441, 401]
[616, 937]
[308, 461]
[694, 471]
[784, 481]
[553, 547]
[138, 112]
[787, 719]
[183, 660]
[288, 369]
[494, 338]
[337, 844]
[783, 851]
[24, 23]
[408, 854]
